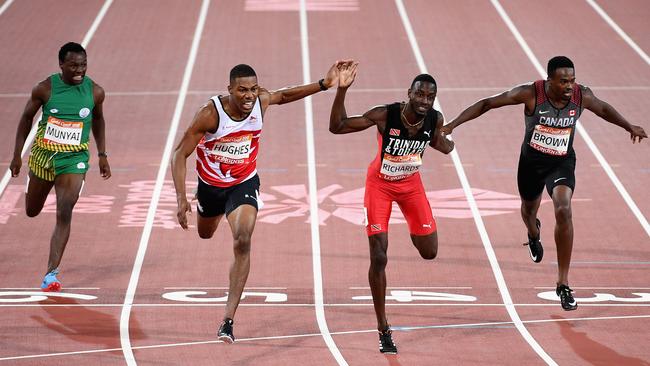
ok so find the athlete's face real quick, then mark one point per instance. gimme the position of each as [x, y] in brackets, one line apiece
[243, 92]
[73, 67]
[562, 82]
[421, 97]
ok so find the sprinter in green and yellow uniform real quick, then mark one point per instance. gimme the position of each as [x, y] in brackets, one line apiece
[72, 107]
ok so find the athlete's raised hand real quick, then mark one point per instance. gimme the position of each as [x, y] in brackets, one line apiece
[347, 73]
[332, 75]
[637, 132]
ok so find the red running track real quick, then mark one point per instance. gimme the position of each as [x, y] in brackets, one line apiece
[446, 311]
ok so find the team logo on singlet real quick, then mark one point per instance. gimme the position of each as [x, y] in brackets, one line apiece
[84, 112]
[54, 110]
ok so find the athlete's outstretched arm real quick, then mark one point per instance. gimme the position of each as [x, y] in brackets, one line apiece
[98, 131]
[205, 120]
[605, 111]
[517, 95]
[40, 94]
[439, 141]
[291, 94]
[339, 121]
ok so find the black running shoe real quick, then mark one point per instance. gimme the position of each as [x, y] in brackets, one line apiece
[386, 344]
[535, 245]
[566, 298]
[225, 332]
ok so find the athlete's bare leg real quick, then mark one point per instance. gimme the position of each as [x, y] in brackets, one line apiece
[242, 224]
[529, 214]
[37, 191]
[563, 231]
[67, 188]
[377, 276]
[206, 226]
[427, 245]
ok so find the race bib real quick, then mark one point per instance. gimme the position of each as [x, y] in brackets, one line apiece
[399, 167]
[63, 132]
[232, 149]
[549, 140]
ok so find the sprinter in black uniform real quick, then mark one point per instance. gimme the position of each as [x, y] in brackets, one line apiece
[552, 108]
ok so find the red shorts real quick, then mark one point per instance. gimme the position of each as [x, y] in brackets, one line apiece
[409, 195]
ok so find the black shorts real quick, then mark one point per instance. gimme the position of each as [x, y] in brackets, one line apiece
[536, 171]
[215, 201]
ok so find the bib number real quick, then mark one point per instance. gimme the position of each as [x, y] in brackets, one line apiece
[63, 132]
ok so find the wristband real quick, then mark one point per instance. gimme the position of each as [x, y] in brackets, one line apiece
[322, 86]
[102, 154]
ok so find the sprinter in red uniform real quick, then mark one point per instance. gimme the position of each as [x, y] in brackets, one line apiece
[404, 130]
[225, 133]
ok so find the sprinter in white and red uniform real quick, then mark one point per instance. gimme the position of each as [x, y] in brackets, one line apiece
[551, 109]
[225, 133]
[404, 130]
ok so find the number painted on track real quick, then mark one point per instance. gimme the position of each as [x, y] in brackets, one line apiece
[409, 296]
[192, 296]
[35, 296]
[599, 297]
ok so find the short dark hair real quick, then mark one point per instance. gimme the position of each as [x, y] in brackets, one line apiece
[558, 62]
[241, 71]
[70, 47]
[424, 77]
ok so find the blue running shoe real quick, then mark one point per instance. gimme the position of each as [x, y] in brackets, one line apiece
[50, 282]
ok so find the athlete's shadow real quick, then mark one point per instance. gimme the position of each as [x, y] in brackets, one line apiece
[84, 324]
[591, 351]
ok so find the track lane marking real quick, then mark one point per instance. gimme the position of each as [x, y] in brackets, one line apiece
[306, 335]
[6, 5]
[313, 194]
[603, 14]
[125, 315]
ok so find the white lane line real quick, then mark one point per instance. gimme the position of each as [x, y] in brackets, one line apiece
[307, 335]
[313, 194]
[4, 6]
[618, 30]
[32, 133]
[494, 264]
[581, 130]
[310, 305]
[160, 178]
[38, 288]
[416, 287]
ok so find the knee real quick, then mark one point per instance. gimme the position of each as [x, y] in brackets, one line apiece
[378, 260]
[64, 212]
[242, 244]
[563, 213]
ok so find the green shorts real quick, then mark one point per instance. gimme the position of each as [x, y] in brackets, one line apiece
[47, 164]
